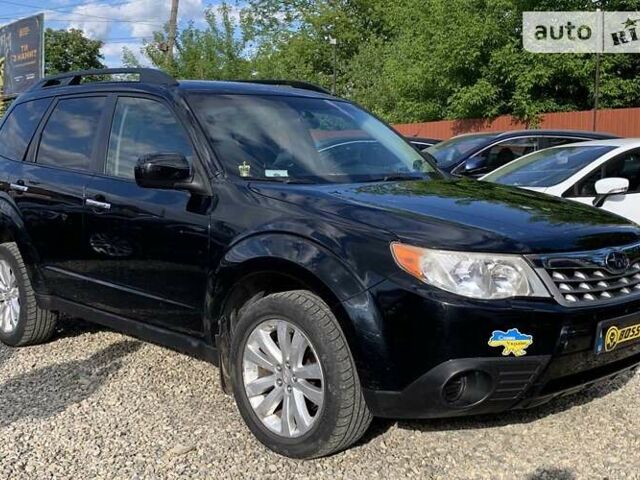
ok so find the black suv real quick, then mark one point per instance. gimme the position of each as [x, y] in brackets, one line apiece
[288, 236]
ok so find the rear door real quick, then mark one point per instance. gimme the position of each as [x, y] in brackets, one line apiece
[49, 187]
[16, 133]
[148, 247]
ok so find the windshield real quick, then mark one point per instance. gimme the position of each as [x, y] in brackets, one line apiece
[547, 167]
[294, 139]
[449, 153]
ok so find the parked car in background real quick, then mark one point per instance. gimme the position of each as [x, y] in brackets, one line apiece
[422, 142]
[477, 154]
[603, 173]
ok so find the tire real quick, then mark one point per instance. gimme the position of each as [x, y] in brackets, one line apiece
[343, 416]
[32, 325]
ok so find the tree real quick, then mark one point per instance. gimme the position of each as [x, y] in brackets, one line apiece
[68, 50]
[215, 52]
[406, 60]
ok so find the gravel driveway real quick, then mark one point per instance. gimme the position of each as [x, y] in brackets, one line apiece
[96, 404]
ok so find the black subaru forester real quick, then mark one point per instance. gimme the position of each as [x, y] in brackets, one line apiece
[329, 269]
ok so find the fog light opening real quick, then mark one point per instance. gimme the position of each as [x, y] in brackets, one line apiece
[466, 389]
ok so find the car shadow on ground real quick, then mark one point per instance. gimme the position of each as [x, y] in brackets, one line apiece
[44, 392]
[558, 405]
[68, 327]
[552, 474]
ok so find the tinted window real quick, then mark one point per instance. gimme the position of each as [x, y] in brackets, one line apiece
[625, 166]
[507, 151]
[557, 141]
[70, 134]
[547, 167]
[309, 139]
[19, 127]
[452, 151]
[140, 127]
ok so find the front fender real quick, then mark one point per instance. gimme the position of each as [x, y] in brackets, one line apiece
[360, 319]
[300, 251]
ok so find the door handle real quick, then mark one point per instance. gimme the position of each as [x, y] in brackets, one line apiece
[18, 187]
[96, 204]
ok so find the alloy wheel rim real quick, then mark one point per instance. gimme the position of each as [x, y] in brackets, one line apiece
[9, 298]
[283, 378]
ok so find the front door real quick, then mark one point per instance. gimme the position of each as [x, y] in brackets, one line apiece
[148, 247]
[626, 165]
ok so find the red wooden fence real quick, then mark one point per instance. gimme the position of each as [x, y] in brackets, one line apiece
[623, 121]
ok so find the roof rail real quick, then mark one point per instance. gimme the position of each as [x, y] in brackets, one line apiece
[290, 83]
[147, 75]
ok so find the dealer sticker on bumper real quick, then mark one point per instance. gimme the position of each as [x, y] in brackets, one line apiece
[611, 337]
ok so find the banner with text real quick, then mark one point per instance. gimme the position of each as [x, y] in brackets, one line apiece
[581, 32]
[21, 54]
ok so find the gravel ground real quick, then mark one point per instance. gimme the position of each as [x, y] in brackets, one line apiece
[96, 404]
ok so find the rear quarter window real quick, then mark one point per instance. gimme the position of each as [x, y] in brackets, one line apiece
[19, 127]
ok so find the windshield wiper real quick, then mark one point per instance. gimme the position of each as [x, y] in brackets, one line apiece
[395, 177]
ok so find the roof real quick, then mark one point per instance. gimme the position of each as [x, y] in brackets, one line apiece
[152, 79]
[541, 131]
[613, 142]
[579, 133]
[248, 88]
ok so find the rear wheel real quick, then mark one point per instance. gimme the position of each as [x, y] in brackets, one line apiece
[22, 322]
[294, 378]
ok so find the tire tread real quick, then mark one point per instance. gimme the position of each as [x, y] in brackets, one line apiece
[39, 324]
[354, 416]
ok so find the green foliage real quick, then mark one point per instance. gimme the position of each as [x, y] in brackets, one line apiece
[407, 60]
[68, 50]
[214, 53]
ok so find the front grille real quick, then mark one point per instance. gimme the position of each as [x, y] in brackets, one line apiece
[592, 284]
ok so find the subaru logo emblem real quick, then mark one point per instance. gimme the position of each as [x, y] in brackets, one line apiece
[617, 262]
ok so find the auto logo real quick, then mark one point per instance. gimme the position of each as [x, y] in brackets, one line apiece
[617, 262]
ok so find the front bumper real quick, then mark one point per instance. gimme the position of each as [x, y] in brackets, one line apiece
[515, 383]
[432, 338]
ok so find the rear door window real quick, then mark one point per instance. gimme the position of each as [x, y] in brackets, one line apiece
[19, 127]
[508, 150]
[548, 142]
[70, 136]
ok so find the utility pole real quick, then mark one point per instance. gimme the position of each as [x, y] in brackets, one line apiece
[334, 41]
[596, 87]
[173, 21]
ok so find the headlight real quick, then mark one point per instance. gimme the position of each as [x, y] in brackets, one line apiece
[476, 275]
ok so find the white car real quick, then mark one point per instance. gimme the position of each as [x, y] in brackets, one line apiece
[602, 173]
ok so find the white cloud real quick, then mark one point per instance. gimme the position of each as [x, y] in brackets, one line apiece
[140, 17]
[136, 18]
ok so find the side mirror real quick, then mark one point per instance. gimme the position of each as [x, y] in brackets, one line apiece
[607, 187]
[163, 170]
[475, 166]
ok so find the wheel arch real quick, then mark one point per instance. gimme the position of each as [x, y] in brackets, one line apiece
[12, 229]
[273, 263]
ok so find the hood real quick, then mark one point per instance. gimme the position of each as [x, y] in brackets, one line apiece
[465, 215]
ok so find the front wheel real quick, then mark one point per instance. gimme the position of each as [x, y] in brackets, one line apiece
[294, 378]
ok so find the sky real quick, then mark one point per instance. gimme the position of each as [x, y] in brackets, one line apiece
[118, 23]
